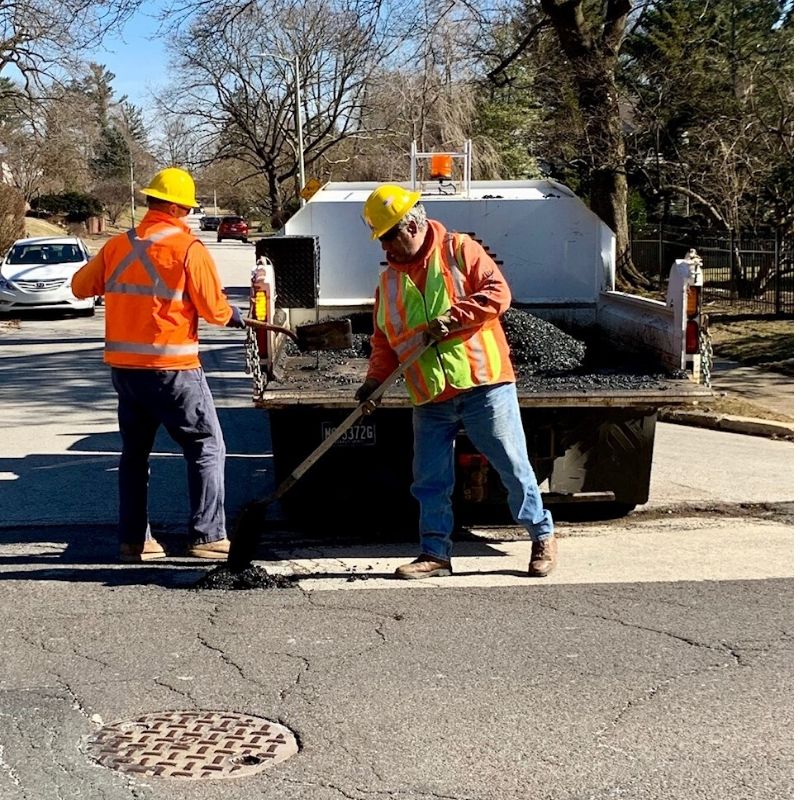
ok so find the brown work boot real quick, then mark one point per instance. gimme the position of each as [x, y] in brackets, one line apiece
[148, 550]
[543, 557]
[217, 550]
[424, 566]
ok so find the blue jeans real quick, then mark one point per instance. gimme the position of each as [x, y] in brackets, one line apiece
[181, 401]
[491, 418]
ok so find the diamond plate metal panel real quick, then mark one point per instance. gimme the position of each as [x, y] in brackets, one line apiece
[296, 262]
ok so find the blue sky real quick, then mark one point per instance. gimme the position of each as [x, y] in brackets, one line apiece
[138, 62]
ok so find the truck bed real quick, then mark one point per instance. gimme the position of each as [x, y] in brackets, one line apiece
[330, 380]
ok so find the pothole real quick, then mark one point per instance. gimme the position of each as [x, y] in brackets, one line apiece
[192, 745]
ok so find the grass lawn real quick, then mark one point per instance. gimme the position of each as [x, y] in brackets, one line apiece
[41, 227]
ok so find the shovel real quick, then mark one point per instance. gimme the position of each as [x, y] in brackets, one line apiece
[245, 539]
[336, 334]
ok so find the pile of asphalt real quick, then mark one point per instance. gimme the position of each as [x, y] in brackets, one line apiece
[539, 346]
[546, 358]
[252, 577]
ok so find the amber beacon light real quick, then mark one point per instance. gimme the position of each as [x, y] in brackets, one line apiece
[441, 167]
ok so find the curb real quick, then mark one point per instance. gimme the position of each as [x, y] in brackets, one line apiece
[720, 422]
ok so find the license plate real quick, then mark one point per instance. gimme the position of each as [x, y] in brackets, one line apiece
[361, 434]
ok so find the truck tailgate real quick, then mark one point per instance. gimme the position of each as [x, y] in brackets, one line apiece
[332, 383]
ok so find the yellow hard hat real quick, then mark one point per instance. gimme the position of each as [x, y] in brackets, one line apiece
[386, 206]
[173, 185]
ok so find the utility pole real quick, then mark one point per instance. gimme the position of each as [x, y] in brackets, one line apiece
[299, 123]
[298, 119]
[133, 196]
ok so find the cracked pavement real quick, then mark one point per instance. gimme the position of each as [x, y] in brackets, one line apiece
[568, 691]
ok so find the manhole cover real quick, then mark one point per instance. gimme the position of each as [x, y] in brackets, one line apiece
[192, 745]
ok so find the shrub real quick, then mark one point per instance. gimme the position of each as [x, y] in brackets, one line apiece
[12, 216]
[74, 206]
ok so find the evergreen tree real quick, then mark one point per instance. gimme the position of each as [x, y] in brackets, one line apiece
[112, 156]
[721, 135]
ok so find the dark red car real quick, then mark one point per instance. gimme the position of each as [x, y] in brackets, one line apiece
[232, 228]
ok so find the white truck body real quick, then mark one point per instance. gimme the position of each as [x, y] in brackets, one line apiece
[556, 254]
[552, 248]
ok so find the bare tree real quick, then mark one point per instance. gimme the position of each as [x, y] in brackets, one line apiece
[237, 84]
[50, 145]
[43, 39]
[723, 170]
[115, 195]
[179, 142]
[12, 216]
[426, 90]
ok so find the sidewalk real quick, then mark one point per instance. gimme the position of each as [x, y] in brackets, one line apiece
[772, 392]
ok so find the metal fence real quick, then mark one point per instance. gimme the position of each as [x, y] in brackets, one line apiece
[755, 274]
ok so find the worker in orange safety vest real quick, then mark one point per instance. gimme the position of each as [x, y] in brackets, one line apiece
[157, 279]
[443, 287]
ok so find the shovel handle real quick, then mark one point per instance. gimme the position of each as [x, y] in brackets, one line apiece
[378, 391]
[257, 323]
[334, 436]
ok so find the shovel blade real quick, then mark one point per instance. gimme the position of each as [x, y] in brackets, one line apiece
[335, 334]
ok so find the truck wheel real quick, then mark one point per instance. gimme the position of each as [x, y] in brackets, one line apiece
[219, 239]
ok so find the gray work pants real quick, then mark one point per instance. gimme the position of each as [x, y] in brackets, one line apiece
[181, 401]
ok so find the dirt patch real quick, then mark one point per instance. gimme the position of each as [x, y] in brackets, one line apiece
[734, 407]
[754, 341]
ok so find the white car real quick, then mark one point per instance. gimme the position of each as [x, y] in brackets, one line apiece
[37, 273]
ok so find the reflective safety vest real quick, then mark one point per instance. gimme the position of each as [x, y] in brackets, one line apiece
[404, 313]
[151, 322]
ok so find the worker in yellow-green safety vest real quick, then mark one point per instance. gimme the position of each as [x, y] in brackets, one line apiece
[443, 287]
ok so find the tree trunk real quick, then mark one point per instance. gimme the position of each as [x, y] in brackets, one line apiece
[593, 58]
[608, 196]
[277, 216]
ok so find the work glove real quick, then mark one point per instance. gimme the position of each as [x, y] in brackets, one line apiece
[439, 328]
[363, 392]
[236, 320]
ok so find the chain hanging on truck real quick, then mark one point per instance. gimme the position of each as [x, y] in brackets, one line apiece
[252, 363]
[706, 357]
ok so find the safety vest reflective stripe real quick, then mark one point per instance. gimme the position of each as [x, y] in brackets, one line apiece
[153, 349]
[394, 310]
[478, 347]
[456, 273]
[404, 339]
[139, 248]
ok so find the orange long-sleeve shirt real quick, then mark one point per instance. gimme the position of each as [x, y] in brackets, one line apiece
[206, 297]
[488, 296]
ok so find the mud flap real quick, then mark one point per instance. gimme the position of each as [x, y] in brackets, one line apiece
[609, 450]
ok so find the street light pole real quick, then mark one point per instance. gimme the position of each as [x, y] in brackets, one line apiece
[298, 119]
[299, 122]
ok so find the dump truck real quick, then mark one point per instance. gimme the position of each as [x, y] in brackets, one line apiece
[590, 432]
